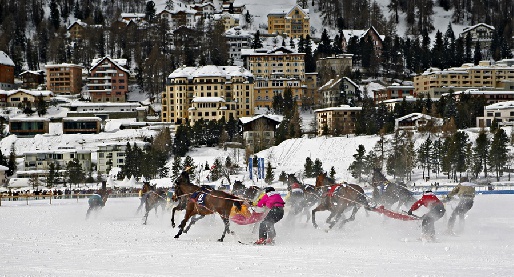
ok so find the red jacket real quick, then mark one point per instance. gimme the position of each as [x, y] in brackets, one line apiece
[427, 200]
[271, 199]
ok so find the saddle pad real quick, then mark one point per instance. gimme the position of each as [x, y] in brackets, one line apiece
[199, 197]
[333, 189]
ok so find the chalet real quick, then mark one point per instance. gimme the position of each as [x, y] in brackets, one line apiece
[29, 127]
[415, 121]
[32, 79]
[108, 80]
[136, 17]
[76, 30]
[481, 33]
[395, 91]
[6, 71]
[19, 96]
[370, 33]
[259, 131]
[338, 91]
[294, 22]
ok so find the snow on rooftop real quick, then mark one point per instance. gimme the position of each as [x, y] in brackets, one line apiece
[5, 60]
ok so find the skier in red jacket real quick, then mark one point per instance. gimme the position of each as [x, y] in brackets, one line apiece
[436, 211]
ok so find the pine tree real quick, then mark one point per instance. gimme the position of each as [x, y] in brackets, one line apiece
[332, 172]
[189, 162]
[270, 174]
[176, 167]
[317, 168]
[498, 155]
[308, 168]
[256, 43]
[11, 163]
[424, 151]
[356, 168]
[54, 14]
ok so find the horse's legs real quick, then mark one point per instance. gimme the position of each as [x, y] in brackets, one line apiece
[87, 213]
[173, 216]
[317, 209]
[226, 230]
[193, 221]
[146, 216]
[354, 211]
[189, 213]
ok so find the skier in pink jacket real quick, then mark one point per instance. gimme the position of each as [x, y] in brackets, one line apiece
[275, 203]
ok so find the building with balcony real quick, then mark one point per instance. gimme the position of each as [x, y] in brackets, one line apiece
[41, 159]
[32, 79]
[483, 76]
[336, 121]
[6, 72]
[502, 112]
[259, 131]
[294, 23]
[238, 39]
[481, 33]
[112, 155]
[64, 78]
[108, 80]
[336, 65]
[417, 121]
[13, 98]
[395, 91]
[274, 71]
[208, 92]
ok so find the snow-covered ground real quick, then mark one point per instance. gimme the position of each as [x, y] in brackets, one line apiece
[40, 239]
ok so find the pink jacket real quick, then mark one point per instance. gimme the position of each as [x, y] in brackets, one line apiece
[271, 199]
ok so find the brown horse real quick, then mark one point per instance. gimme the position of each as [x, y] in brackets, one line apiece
[387, 193]
[143, 193]
[97, 201]
[212, 202]
[182, 203]
[337, 199]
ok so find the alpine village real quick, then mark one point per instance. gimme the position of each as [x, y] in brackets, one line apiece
[122, 92]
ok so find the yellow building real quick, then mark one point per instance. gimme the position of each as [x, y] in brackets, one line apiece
[209, 93]
[294, 22]
[484, 75]
[274, 71]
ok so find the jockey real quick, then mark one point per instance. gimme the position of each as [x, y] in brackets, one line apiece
[466, 193]
[275, 203]
[436, 211]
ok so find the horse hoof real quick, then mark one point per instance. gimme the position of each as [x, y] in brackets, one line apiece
[220, 240]
[232, 232]
[176, 236]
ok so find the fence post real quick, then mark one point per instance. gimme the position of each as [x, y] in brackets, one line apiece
[27, 197]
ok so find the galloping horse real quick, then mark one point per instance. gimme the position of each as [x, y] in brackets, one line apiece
[387, 193]
[338, 198]
[301, 197]
[97, 201]
[204, 203]
[153, 199]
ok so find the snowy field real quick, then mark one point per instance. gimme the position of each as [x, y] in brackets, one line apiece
[40, 239]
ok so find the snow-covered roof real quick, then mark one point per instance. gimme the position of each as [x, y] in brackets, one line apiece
[79, 22]
[63, 65]
[82, 119]
[120, 63]
[35, 72]
[340, 108]
[44, 93]
[500, 106]
[58, 151]
[207, 100]
[469, 28]
[5, 60]
[274, 117]
[3, 168]
[413, 117]
[132, 15]
[286, 12]
[102, 104]
[210, 71]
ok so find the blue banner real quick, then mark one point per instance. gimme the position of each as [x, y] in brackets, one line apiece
[261, 167]
[250, 166]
